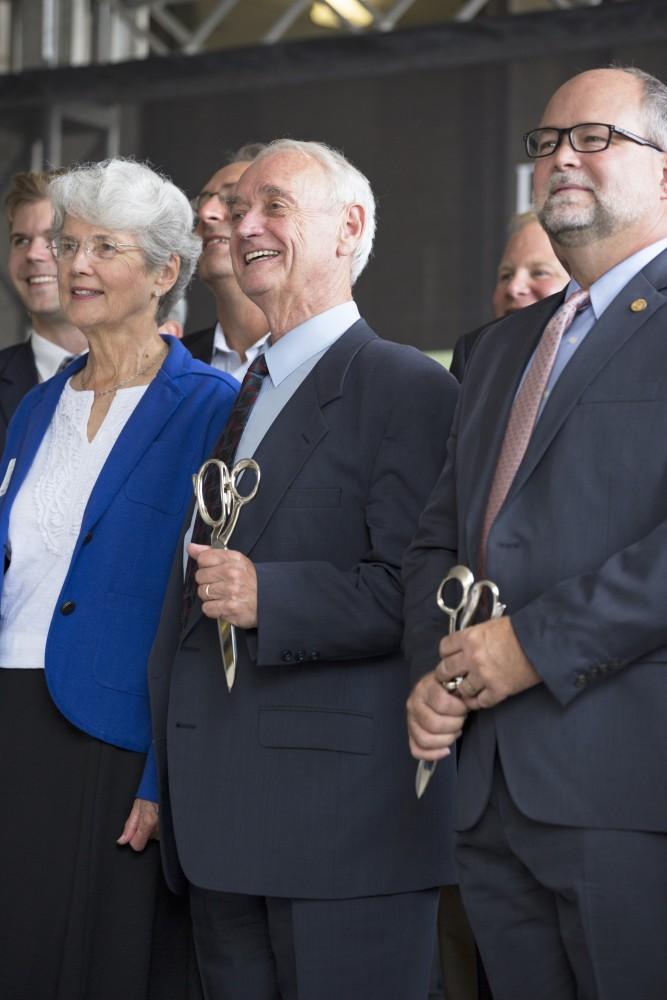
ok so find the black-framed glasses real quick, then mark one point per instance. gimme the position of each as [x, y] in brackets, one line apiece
[588, 137]
[100, 247]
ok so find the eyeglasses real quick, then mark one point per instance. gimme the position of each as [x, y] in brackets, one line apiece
[200, 199]
[99, 247]
[589, 137]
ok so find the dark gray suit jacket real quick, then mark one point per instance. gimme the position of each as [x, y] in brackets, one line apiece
[579, 551]
[299, 782]
[17, 376]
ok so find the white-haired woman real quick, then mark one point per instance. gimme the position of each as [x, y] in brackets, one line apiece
[94, 482]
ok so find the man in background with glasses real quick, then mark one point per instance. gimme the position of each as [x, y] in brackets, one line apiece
[555, 489]
[241, 331]
[52, 341]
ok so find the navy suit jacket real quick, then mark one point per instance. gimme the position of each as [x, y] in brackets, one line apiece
[18, 375]
[109, 606]
[200, 344]
[579, 551]
[299, 782]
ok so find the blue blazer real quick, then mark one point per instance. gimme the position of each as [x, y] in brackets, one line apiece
[109, 606]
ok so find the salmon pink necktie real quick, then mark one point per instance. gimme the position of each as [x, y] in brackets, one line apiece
[525, 409]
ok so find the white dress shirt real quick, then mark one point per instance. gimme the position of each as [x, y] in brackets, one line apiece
[226, 359]
[48, 356]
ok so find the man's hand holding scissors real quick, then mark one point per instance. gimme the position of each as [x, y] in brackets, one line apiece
[226, 585]
[435, 719]
[489, 662]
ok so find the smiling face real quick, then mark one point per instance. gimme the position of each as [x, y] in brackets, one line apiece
[107, 294]
[213, 223]
[529, 271]
[617, 193]
[32, 269]
[290, 242]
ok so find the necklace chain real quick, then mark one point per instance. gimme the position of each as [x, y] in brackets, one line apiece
[164, 350]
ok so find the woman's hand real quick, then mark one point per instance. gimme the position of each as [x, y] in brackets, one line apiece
[142, 825]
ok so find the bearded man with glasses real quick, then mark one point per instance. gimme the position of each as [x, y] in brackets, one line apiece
[562, 810]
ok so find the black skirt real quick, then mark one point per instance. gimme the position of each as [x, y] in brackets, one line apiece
[80, 917]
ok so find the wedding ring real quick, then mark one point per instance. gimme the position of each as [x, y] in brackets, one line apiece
[453, 685]
[206, 593]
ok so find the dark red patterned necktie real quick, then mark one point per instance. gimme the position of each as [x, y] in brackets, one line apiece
[225, 450]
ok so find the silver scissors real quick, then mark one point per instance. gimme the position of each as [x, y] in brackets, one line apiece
[460, 616]
[231, 502]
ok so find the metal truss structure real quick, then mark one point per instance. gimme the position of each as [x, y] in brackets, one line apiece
[49, 33]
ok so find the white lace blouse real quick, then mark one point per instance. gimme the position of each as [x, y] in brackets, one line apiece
[46, 517]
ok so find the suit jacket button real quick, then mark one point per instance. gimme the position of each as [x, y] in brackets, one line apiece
[300, 655]
[286, 656]
[87, 538]
[580, 680]
[315, 655]
[67, 608]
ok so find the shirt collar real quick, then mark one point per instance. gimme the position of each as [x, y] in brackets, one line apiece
[612, 282]
[309, 338]
[220, 344]
[48, 356]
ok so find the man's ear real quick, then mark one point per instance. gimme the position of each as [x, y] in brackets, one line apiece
[663, 181]
[352, 227]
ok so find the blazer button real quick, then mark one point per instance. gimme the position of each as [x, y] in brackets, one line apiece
[315, 655]
[286, 656]
[300, 655]
[580, 681]
[67, 608]
[87, 538]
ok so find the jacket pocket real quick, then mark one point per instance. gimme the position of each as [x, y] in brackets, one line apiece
[316, 729]
[299, 497]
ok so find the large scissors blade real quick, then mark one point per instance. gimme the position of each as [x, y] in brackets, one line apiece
[464, 577]
[231, 502]
[473, 593]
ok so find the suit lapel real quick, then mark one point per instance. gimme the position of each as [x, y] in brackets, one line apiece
[37, 423]
[153, 411]
[478, 452]
[292, 438]
[615, 327]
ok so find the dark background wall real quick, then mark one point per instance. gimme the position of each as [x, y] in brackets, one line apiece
[434, 117]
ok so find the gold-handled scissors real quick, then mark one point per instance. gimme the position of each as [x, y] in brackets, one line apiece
[231, 502]
[460, 615]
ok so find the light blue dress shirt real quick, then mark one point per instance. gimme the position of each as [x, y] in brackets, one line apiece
[602, 292]
[289, 361]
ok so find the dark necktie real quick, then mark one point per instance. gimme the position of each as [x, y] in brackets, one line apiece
[64, 363]
[525, 409]
[225, 450]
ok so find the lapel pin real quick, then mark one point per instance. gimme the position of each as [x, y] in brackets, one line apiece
[639, 305]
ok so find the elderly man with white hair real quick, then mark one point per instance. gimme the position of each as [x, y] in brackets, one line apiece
[290, 799]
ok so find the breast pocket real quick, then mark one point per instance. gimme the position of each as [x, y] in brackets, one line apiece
[325, 497]
[623, 392]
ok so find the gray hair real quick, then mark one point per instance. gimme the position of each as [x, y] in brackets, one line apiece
[654, 104]
[348, 187]
[245, 154]
[123, 194]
